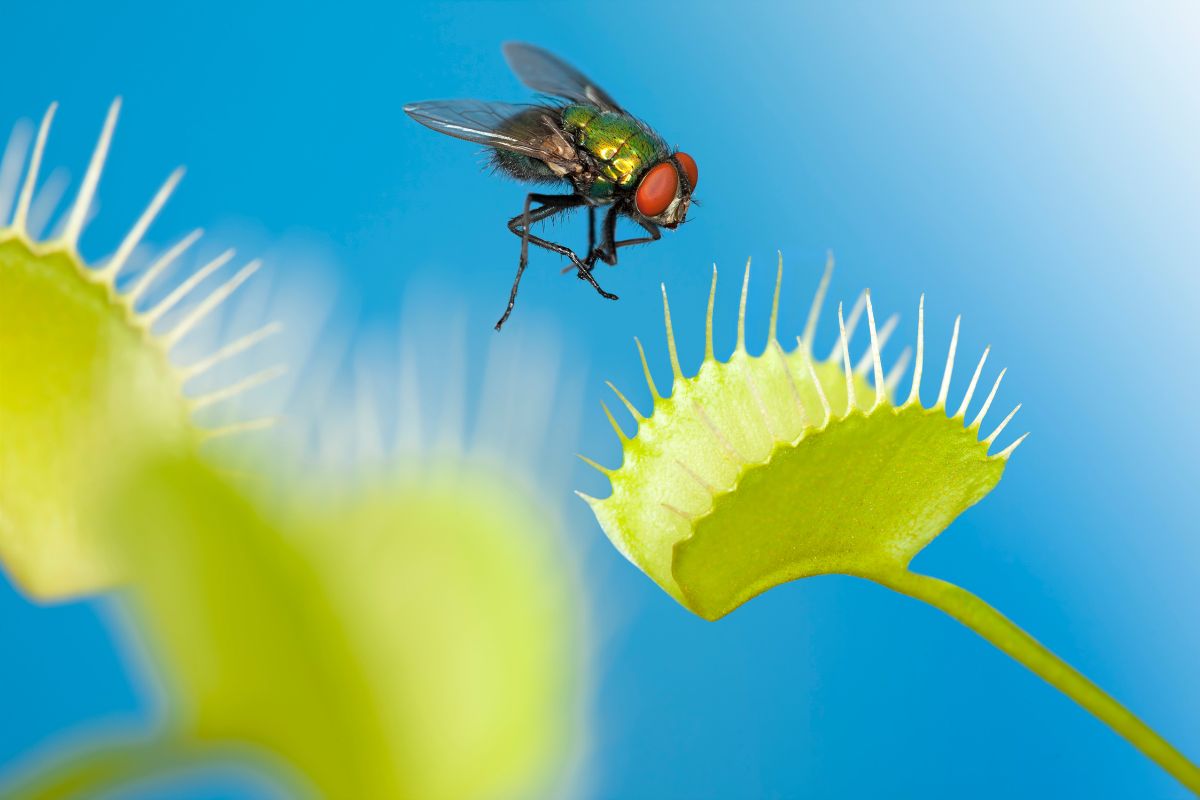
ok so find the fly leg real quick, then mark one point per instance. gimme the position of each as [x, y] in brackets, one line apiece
[562, 203]
[591, 235]
[551, 204]
[607, 252]
[592, 254]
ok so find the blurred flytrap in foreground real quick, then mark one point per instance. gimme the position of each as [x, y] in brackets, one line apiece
[412, 640]
[764, 469]
[399, 625]
[86, 382]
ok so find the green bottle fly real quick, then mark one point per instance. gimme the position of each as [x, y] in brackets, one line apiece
[607, 157]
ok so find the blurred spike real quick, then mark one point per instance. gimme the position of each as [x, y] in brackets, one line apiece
[860, 305]
[814, 311]
[851, 400]
[812, 374]
[408, 438]
[741, 323]
[248, 426]
[975, 423]
[941, 401]
[12, 166]
[897, 371]
[244, 385]
[625, 400]
[181, 291]
[880, 390]
[448, 435]
[708, 320]
[671, 337]
[160, 263]
[914, 395]
[646, 370]
[44, 206]
[1008, 451]
[885, 333]
[366, 438]
[134, 237]
[21, 215]
[966, 401]
[1001, 426]
[230, 350]
[613, 421]
[208, 304]
[87, 190]
[783, 366]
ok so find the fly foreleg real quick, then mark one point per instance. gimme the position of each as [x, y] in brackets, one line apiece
[607, 252]
[551, 204]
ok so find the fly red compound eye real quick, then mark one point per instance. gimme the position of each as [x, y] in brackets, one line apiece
[689, 169]
[657, 189]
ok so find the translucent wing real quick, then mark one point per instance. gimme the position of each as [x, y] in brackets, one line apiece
[527, 129]
[545, 72]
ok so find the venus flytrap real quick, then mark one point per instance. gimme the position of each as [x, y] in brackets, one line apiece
[375, 645]
[376, 614]
[395, 610]
[87, 376]
[768, 468]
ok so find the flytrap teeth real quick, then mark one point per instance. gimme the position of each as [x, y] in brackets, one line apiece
[188, 294]
[803, 370]
[761, 468]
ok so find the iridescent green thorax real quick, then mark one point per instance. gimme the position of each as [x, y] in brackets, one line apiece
[624, 146]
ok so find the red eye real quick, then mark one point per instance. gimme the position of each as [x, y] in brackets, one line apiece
[689, 168]
[657, 189]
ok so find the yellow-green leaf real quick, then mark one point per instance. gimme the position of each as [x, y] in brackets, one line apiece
[412, 641]
[766, 468]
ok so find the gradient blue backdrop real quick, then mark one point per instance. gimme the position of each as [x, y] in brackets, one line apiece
[1036, 169]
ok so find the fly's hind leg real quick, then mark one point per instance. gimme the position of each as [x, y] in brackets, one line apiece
[591, 259]
[551, 204]
[592, 252]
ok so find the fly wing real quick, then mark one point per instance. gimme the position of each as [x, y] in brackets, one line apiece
[545, 72]
[527, 129]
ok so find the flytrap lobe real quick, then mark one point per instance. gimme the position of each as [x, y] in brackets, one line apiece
[88, 376]
[763, 469]
[767, 468]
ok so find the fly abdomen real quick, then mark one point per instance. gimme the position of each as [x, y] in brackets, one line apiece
[537, 130]
[523, 167]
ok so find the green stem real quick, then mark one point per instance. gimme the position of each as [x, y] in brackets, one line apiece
[1004, 634]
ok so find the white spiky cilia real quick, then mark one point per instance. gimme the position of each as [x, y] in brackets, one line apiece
[107, 275]
[762, 468]
[89, 368]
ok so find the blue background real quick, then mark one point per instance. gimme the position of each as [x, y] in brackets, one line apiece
[1036, 169]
